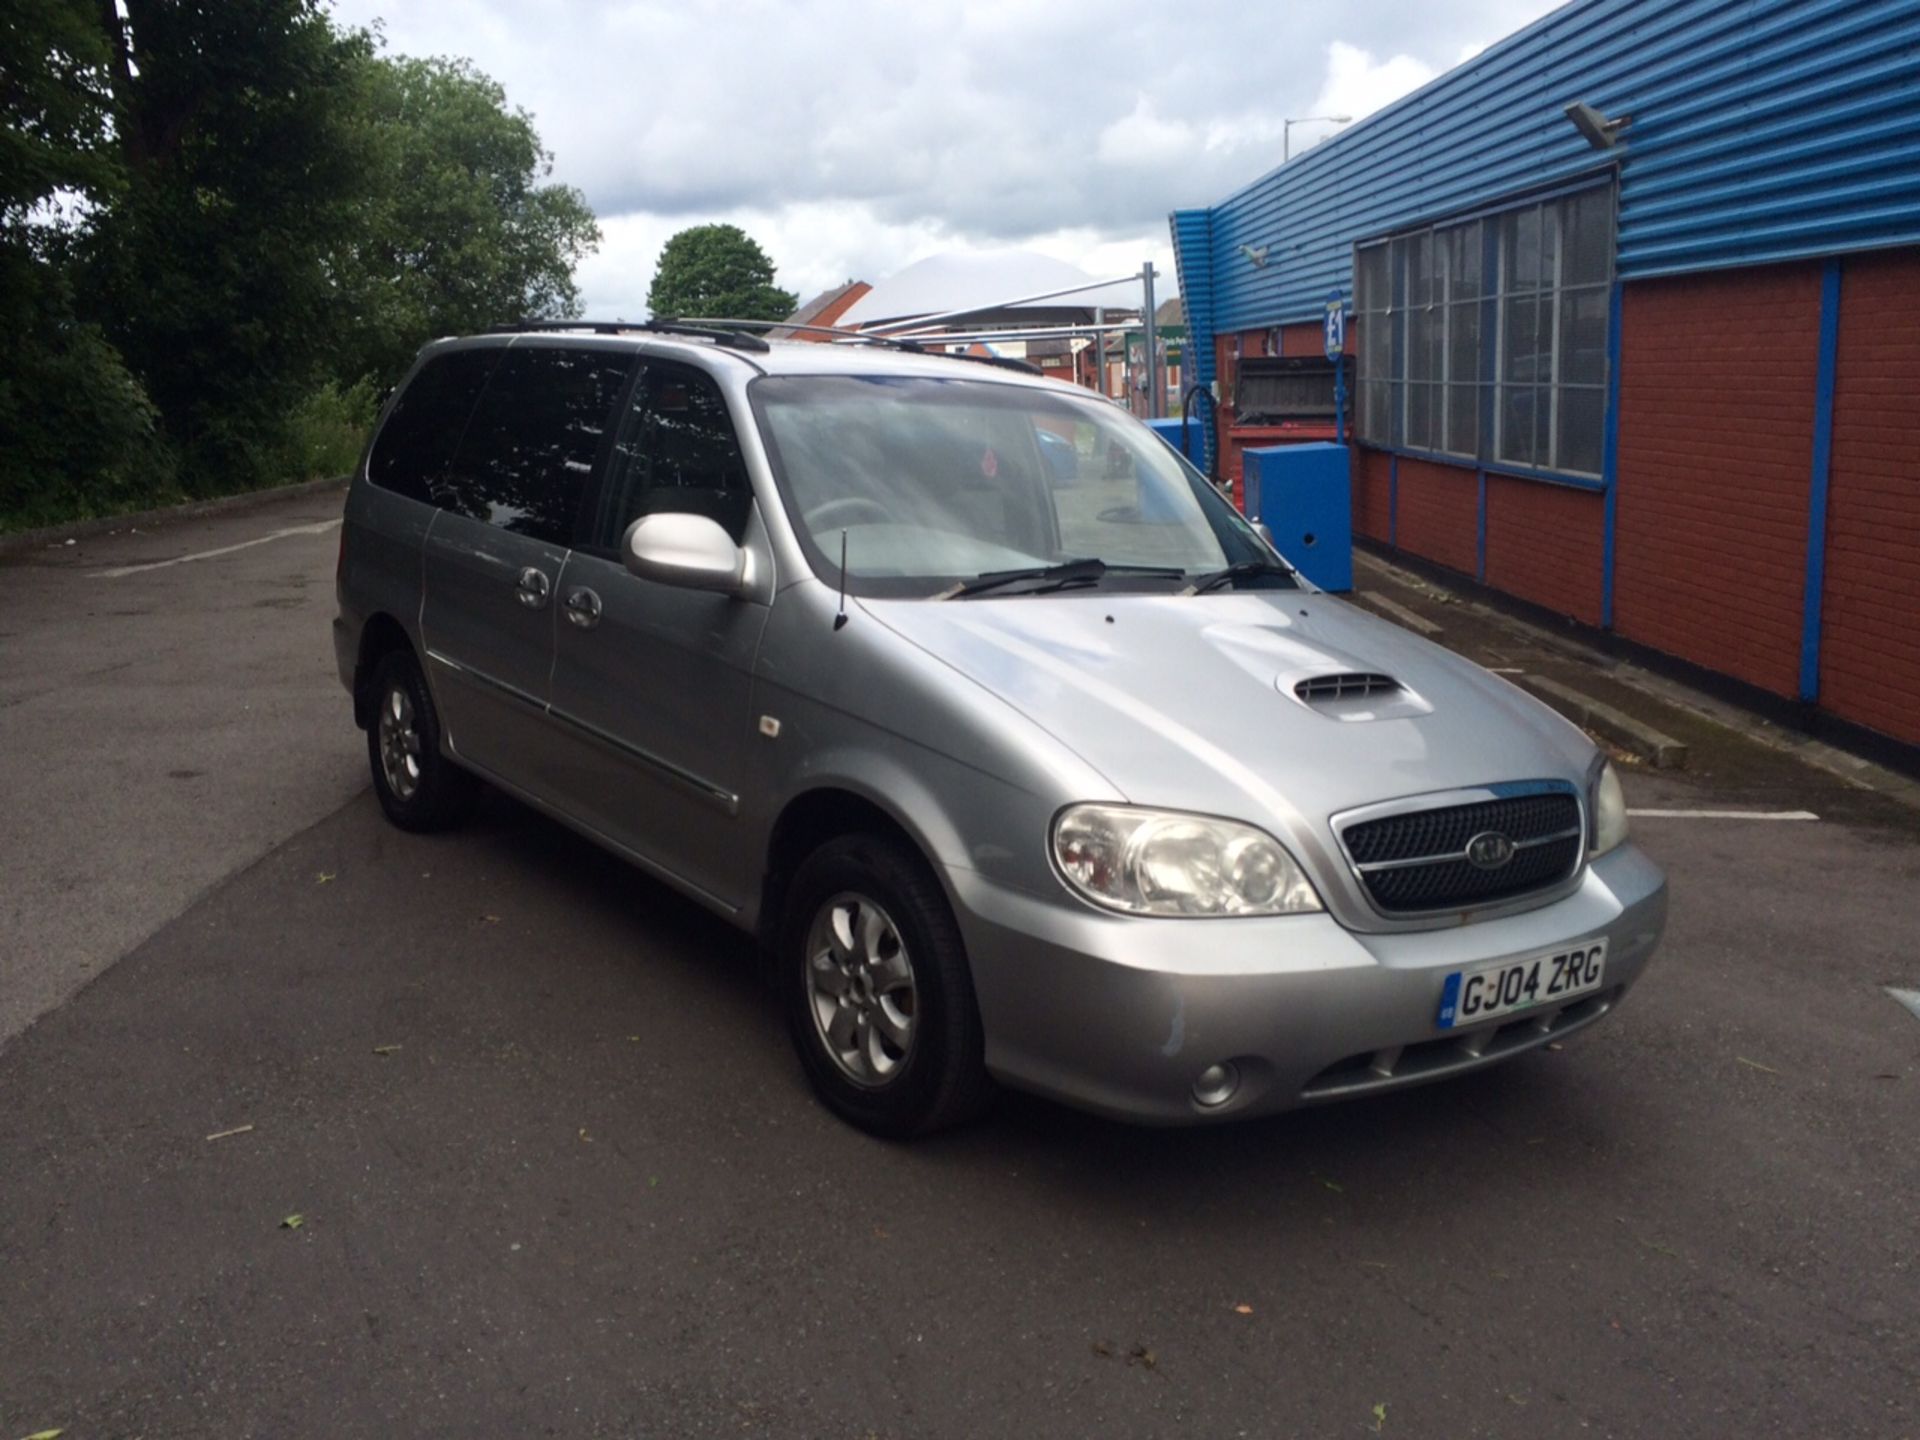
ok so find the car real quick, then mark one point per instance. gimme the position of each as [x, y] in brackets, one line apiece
[1079, 789]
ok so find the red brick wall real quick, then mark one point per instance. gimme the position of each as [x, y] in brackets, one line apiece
[1440, 514]
[1372, 492]
[1870, 604]
[1717, 380]
[1544, 544]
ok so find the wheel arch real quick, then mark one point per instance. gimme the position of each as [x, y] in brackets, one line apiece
[812, 818]
[380, 637]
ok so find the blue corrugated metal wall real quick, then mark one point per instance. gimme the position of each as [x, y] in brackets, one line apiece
[1762, 130]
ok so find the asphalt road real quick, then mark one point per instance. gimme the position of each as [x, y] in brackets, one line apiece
[159, 729]
[558, 1173]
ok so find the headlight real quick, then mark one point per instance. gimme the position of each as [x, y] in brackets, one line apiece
[1609, 805]
[1160, 862]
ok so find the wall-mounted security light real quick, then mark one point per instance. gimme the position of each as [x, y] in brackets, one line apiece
[1599, 132]
[1257, 257]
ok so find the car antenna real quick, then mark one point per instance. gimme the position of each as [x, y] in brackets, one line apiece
[840, 616]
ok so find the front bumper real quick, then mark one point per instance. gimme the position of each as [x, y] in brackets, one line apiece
[1120, 1014]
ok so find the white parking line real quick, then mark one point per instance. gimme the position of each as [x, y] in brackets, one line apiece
[1908, 998]
[319, 527]
[1726, 814]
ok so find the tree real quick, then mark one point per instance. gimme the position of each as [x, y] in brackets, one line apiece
[210, 271]
[718, 271]
[77, 433]
[453, 231]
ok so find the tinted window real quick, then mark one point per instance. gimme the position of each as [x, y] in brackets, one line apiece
[678, 453]
[531, 445]
[418, 440]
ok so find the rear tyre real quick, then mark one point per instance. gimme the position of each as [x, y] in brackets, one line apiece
[878, 994]
[419, 788]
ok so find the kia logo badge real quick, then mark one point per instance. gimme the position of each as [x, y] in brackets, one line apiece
[1490, 850]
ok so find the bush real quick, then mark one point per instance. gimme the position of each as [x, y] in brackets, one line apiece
[327, 431]
[78, 436]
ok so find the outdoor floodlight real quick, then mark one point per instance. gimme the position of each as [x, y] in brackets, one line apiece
[1600, 132]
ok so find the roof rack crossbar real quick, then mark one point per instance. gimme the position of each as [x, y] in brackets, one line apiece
[912, 344]
[732, 339]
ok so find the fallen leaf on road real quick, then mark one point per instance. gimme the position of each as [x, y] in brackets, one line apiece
[1243, 1309]
[1140, 1355]
[325, 877]
[44, 1434]
[1767, 1069]
[223, 1134]
[1334, 1186]
[1376, 1264]
[585, 1138]
[1379, 1417]
[489, 919]
[1555, 1045]
[1102, 1349]
[293, 1222]
[385, 1049]
[880, 1233]
[1658, 1248]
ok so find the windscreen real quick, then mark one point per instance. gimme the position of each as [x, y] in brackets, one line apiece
[935, 481]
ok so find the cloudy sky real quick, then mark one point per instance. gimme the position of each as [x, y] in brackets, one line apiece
[852, 137]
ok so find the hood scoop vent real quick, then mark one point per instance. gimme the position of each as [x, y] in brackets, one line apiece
[1347, 686]
[1357, 695]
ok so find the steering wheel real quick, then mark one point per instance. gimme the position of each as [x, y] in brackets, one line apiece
[846, 508]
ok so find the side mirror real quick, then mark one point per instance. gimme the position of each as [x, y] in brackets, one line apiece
[690, 551]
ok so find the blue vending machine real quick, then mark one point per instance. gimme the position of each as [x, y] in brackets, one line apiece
[1304, 495]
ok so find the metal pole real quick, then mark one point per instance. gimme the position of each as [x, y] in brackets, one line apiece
[1286, 141]
[1156, 399]
[1099, 349]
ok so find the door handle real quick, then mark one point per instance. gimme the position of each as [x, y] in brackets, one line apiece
[583, 608]
[534, 587]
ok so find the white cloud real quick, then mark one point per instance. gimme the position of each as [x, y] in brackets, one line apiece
[1357, 84]
[851, 137]
[1140, 138]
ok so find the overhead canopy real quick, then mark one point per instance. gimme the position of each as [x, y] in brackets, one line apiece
[984, 281]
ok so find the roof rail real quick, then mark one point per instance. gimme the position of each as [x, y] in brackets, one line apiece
[915, 345]
[732, 339]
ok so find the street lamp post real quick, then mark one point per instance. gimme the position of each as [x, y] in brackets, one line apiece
[1286, 130]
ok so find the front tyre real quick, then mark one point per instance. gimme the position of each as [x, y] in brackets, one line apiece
[878, 995]
[419, 788]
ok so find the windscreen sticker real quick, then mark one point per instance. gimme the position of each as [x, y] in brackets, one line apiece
[989, 464]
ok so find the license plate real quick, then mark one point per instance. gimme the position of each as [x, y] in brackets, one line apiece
[1472, 996]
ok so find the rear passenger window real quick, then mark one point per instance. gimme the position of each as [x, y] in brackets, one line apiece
[678, 453]
[530, 448]
[417, 442]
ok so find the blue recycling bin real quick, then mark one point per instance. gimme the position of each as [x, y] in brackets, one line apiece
[1304, 495]
[1169, 431]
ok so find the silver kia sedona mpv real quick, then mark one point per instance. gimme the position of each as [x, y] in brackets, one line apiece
[1025, 756]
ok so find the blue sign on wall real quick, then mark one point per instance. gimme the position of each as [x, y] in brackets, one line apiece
[1336, 325]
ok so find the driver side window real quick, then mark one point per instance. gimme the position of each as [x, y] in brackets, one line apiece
[677, 454]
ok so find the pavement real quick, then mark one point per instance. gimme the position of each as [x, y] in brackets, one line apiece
[556, 1171]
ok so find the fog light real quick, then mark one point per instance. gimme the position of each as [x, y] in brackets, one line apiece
[1216, 1084]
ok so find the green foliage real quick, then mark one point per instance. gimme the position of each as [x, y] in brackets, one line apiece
[54, 102]
[78, 436]
[453, 232]
[224, 226]
[327, 430]
[717, 271]
[209, 273]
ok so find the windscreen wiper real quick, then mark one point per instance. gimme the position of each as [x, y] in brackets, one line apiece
[1236, 572]
[1065, 575]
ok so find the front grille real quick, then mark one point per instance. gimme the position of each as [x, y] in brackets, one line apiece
[1417, 861]
[1344, 686]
